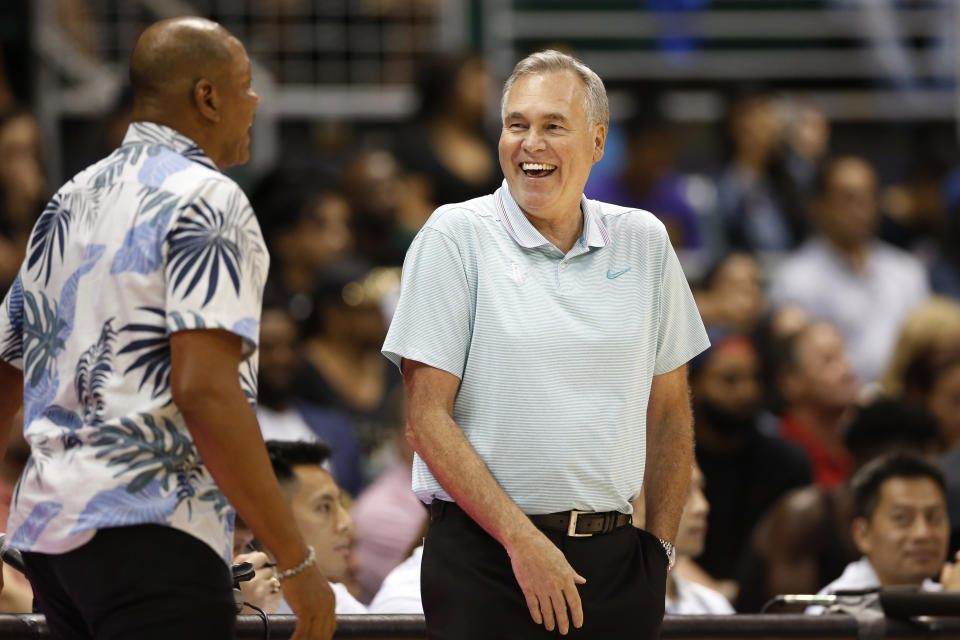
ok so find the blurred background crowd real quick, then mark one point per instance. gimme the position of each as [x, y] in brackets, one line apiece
[803, 155]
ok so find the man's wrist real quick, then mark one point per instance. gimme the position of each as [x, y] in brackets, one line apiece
[670, 551]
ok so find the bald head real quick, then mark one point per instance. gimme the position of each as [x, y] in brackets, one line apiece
[172, 55]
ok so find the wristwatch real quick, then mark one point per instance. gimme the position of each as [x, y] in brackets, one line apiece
[671, 552]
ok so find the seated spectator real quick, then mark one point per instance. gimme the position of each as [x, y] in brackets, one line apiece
[389, 206]
[285, 417]
[945, 262]
[819, 392]
[388, 516]
[306, 227]
[772, 329]
[934, 324]
[846, 276]
[342, 368]
[900, 526]
[803, 541]
[447, 149]
[807, 138]
[745, 471]
[23, 189]
[757, 202]
[731, 293]
[650, 179]
[932, 379]
[324, 523]
[684, 595]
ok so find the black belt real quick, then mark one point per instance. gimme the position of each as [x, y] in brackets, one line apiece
[579, 524]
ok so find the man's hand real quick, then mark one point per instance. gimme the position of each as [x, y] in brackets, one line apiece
[311, 599]
[548, 582]
[950, 574]
[263, 590]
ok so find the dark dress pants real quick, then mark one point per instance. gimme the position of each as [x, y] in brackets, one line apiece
[145, 582]
[469, 590]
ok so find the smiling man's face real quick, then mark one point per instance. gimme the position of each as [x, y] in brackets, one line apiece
[547, 146]
[907, 534]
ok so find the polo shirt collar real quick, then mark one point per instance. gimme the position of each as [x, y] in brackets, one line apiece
[153, 133]
[526, 235]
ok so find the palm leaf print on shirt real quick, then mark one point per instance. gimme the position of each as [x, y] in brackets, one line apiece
[93, 371]
[11, 348]
[49, 237]
[152, 449]
[41, 336]
[153, 351]
[203, 240]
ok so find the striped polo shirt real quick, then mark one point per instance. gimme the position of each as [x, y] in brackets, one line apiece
[555, 352]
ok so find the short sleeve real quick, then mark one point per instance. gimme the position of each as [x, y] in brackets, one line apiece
[11, 325]
[681, 334]
[216, 265]
[433, 320]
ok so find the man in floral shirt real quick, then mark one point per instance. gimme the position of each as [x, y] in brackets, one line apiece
[132, 330]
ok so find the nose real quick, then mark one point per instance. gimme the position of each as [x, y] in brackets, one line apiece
[532, 140]
[698, 503]
[346, 521]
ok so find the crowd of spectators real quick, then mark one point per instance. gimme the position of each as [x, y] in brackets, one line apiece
[833, 309]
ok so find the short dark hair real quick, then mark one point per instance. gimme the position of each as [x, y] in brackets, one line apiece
[868, 481]
[888, 425]
[284, 456]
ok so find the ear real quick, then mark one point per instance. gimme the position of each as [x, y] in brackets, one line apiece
[207, 100]
[860, 531]
[599, 140]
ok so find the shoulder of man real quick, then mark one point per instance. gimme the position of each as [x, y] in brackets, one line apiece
[462, 217]
[632, 218]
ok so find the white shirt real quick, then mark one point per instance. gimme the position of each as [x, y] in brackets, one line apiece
[400, 591]
[556, 352]
[857, 576]
[867, 308]
[696, 599]
[345, 602]
[287, 426]
[149, 241]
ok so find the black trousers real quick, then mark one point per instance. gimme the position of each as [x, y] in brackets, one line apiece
[469, 590]
[145, 582]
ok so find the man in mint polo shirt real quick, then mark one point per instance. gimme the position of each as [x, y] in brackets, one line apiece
[543, 339]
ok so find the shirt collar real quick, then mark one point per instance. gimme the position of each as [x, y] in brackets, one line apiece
[153, 133]
[527, 236]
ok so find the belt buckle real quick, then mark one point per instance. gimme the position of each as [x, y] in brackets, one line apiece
[572, 526]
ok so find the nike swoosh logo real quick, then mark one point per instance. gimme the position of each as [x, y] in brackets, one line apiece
[617, 274]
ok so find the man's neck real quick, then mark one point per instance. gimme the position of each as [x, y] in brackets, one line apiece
[561, 231]
[857, 256]
[826, 422]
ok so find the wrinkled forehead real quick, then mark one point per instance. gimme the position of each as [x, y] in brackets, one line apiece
[547, 93]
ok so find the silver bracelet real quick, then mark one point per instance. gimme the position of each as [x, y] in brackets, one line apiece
[292, 571]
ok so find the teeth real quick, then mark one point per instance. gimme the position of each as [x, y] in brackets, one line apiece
[534, 166]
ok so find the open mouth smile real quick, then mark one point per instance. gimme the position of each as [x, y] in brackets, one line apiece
[537, 169]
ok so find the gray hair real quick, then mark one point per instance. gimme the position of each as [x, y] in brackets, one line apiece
[549, 61]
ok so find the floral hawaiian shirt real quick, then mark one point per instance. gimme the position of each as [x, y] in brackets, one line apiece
[151, 240]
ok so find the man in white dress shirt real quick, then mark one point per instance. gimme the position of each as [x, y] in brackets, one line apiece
[901, 527]
[314, 498]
